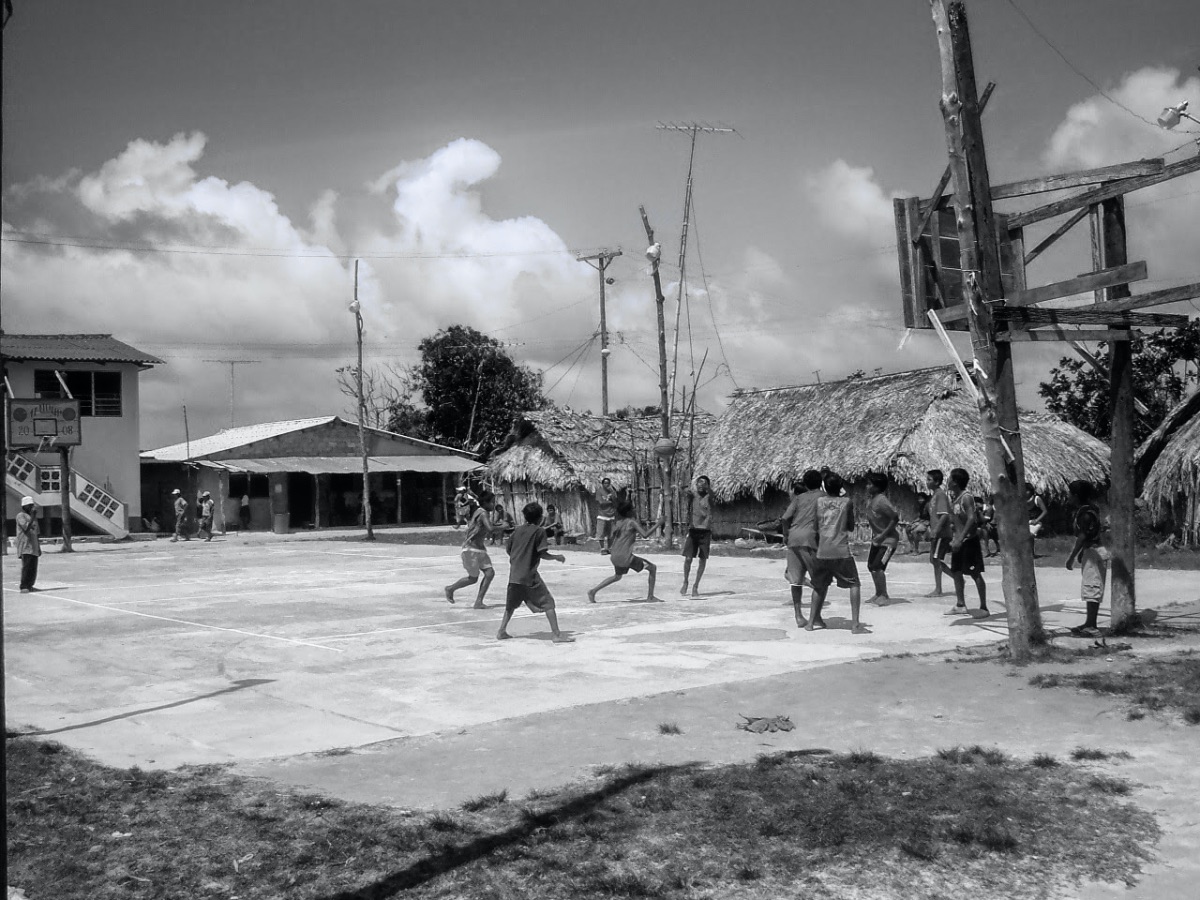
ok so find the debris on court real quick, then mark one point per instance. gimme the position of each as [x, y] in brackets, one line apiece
[759, 724]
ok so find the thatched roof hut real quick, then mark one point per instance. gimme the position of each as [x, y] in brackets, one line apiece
[1172, 485]
[559, 456]
[902, 424]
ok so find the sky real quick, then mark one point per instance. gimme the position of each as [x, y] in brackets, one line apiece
[198, 179]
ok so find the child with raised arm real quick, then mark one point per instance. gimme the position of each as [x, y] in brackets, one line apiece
[1093, 556]
[625, 532]
[527, 546]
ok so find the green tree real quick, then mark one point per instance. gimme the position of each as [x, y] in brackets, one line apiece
[471, 388]
[1164, 364]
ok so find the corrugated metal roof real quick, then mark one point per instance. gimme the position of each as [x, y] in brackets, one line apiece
[72, 348]
[350, 465]
[231, 439]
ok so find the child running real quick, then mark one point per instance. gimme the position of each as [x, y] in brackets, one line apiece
[475, 557]
[966, 552]
[527, 546]
[1093, 556]
[625, 531]
[799, 524]
[835, 524]
[885, 534]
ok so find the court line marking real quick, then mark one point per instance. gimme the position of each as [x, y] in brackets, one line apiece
[131, 612]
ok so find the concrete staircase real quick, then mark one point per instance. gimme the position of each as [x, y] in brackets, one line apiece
[90, 503]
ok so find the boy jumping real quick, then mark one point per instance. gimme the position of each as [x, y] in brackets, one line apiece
[625, 532]
[1093, 556]
[527, 546]
[475, 557]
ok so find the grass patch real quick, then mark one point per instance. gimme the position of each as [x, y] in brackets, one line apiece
[669, 728]
[1044, 761]
[1170, 682]
[804, 823]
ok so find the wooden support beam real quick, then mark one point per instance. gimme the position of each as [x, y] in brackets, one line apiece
[1076, 179]
[1031, 317]
[1104, 192]
[1089, 282]
[936, 199]
[1062, 229]
[1153, 298]
[1064, 334]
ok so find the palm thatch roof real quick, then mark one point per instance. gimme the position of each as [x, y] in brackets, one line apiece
[902, 424]
[563, 450]
[1176, 446]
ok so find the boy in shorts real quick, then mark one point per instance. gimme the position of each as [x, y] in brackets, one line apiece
[799, 524]
[607, 498]
[475, 557]
[1093, 556]
[966, 551]
[699, 536]
[885, 533]
[941, 529]
[527, 546]
[835, 524]
[625, 532]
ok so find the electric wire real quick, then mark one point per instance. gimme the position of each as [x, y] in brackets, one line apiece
[582, 368]
[708, 295]
[578, 355]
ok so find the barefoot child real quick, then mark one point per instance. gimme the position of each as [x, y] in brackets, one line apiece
[475, 557]
[699, 536]
[526, 548]
[1093, 556]
[835, 524]
[941, 529]
[966, 552]
[625, 531]
[799, 524]
[885, 533]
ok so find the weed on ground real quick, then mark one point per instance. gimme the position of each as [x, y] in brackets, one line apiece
[812, 824]
[1156, 683]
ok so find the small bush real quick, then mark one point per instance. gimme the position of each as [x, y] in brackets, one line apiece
[1191, 715]
[669, 728]
[1045, 761]
[485, 801]
[1082, 753]
[1110, 785]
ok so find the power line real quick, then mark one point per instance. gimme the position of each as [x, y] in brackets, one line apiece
[708, 296]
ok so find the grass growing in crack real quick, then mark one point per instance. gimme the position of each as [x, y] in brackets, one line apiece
[669, 728]
[1154, 683]
[967, 820]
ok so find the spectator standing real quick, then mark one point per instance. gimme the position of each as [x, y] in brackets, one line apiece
[29, 547]
[181, 508]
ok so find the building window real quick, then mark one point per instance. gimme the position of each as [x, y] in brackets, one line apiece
[98, 393]
[51, 480]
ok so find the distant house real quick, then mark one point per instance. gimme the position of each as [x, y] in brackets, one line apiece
[559, 456]
[1170, 460]
[306, 473]
[902, 424]
[101, 373]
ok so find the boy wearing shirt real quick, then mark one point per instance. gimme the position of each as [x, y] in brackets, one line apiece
[885, 534]
[799, 524]
[475, 557]
[625, 533]
[941, 530]
[966, 552]
[526, 548]
[835, 524]
[1093, 556]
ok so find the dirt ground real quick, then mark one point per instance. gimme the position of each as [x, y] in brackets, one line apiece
[339, 666]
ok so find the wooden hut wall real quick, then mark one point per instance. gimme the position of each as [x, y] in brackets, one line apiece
[575, 509]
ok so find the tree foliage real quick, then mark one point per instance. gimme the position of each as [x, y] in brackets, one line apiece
[1164, 364]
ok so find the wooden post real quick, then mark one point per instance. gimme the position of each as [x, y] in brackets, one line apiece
[982, 286]
[1122, 489]
[65, 494]
[664, 397]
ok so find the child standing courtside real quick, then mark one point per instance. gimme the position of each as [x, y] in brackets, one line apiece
[941, 530]
[625, 531]
[966, 552]
[799, 524]
[526, 548]
[835, 524]
[885, 533]
[1093, 556]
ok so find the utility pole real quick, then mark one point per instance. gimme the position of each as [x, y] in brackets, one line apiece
[980, 262]
[600, 261]
[654, 254]
[356, 308]
[232, 363]
[692, 129]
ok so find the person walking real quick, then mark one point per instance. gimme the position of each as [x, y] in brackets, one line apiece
[29, 548]
[181, 508]
[207, 510]
[475, 558]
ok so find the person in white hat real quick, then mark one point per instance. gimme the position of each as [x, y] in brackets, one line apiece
[181, 508]
[207, 507]
[28, 546]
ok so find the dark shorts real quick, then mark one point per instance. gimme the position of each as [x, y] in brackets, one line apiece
[938, 548]
[698, 542]
[536, 597]
[879, 557]
[636, 564]
[844, 569]
[968, 558]
[800, 562]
